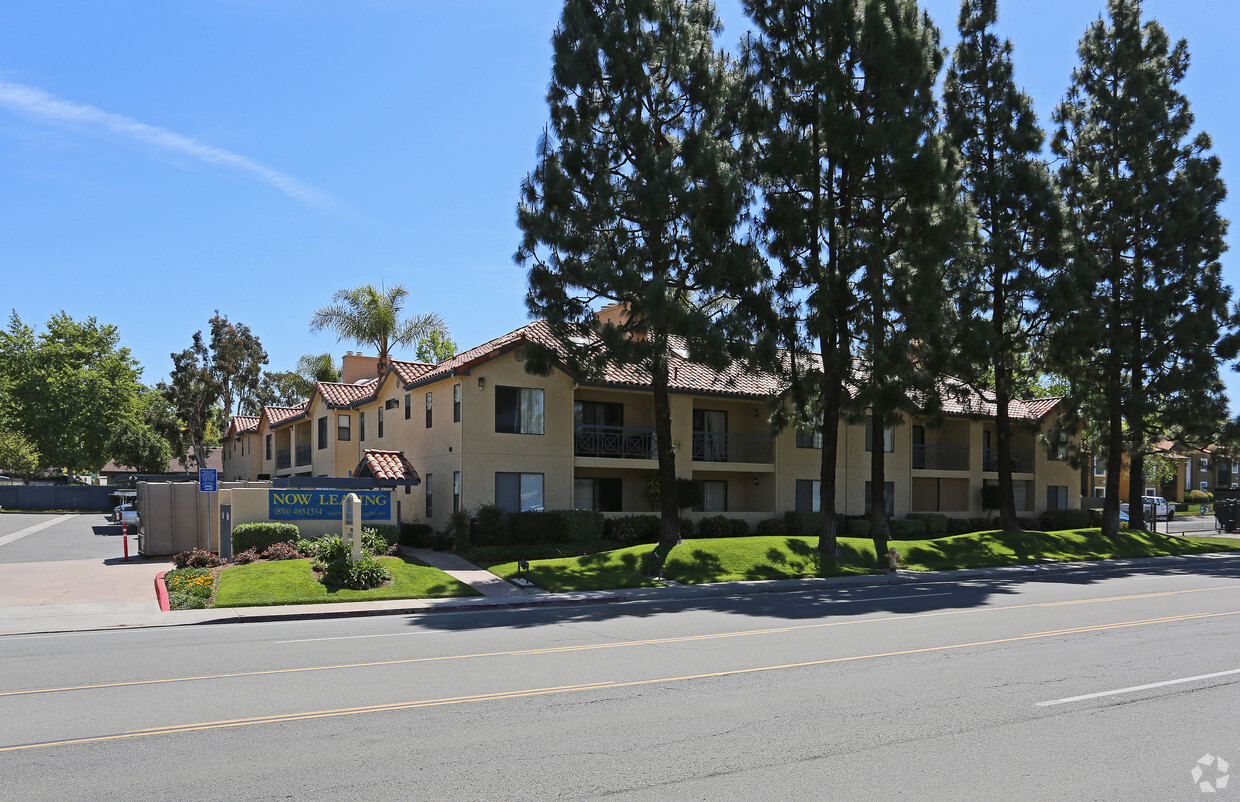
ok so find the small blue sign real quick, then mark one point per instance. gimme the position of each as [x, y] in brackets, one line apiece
[294, 505]
[206, 480]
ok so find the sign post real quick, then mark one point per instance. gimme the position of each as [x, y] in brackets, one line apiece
[207, 484]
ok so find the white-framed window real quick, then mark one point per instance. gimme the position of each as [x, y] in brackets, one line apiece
[1204, 463]
[1100, 492]
[1205, 487]
[1151, 491]
[519, 410]
[519, 492]
[889, 436]
[342, 426]
[1100, 466]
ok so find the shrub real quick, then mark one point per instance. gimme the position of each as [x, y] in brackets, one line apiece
[990, 497]
[190, 581]
[907, 528]
[246, 557]
[634, 529]
[740, 527]
[772, 527]
[802, 523]
[1055, 520]
[688, 492]
[556, 526]
[282, 551]
[458, 530]
[492, 528]
[261, 535]
[388, 532]
[186, 601]
[936, 523]
[416, 535]
[857, 527]
[197, 558]
[715, 526]
[363, 574]
[687, 528]
[1197, 497]
[965, 526]
[374, 541]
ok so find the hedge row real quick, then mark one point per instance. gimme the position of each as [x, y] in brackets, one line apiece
[261, 536]
[555, 526]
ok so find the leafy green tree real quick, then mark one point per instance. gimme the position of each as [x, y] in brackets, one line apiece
[319, 368]
[858, 212]
[372, 316]
[636, 200]
[139, 442]
[1000, 287]
[436, 348]
[67, 389]
[193, 391]
[285, 388]
[18, 456]
[237, 357]
[1144, 317]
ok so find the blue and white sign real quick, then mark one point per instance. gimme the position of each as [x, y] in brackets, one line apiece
[300, 505]
[206, 480]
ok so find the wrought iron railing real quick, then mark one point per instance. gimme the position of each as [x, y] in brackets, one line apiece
[941, 458]
[620, 442]
[284, 458]
[728, 447]
[303, 454]
[1022, 460]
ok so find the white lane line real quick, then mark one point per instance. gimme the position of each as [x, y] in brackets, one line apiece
[30, 530]
[1138, 688]
[403, 634]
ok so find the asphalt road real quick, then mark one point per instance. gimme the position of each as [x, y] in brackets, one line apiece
[72, 536]
[935, 691]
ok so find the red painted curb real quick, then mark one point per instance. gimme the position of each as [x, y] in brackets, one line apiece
[161, 591]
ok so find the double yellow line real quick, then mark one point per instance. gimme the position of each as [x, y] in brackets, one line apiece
[454, 700]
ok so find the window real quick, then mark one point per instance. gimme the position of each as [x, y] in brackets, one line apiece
[391, 403]
[808, 495]
[429, 484]
[1100, 467]
[889, 436]
[597, 413]
[342, 427]
[931, 494]
[519, 492]
[268, 446]
[714, 496]
[456, 403]
[810, 435]
[323, 432]
[1205, 487]
[519, 410]
[889, 497]
[1205, 463]
[1056, 497]
[1151, 491]
[456, 491]
[380, 427]
[408, 405]
[597, 494]
[1100, 492]
[361, 426]
[428, 410]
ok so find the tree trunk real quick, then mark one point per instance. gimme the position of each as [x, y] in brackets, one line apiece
[1136, 489]
[1003, 437]
[669, 526]
[880, 532]
[829, 426]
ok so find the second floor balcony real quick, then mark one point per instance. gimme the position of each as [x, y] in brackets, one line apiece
[284, 458]
[1022, 460]
[729, 447]
[617, 442]
[303, 454]
[941, 458]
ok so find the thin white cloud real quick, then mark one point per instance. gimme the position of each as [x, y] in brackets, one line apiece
[35, 102]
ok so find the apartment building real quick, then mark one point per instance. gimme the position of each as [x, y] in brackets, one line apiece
[478, 429]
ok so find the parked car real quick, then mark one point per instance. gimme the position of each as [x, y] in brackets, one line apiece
[1157, 505]
[126, 514]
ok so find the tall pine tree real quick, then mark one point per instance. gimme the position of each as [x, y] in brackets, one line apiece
[636, 199]
[999, 287]
[1144, 318]
[860, 214]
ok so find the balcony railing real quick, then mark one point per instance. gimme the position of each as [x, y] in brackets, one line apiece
[1022, 460]
[727, 447]
[283, 458]
[303, 454]
[619, 442]
[941, 458]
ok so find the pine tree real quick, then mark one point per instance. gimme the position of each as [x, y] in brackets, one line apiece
[1144, 314]
[636, 199]
[858, 212]
[999, 290]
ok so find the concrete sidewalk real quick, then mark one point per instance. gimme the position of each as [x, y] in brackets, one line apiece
[50, 618]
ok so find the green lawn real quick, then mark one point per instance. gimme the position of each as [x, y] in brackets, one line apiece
[292, 582]
[699, 561]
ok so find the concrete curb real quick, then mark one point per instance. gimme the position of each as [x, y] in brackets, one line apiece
[161, 592]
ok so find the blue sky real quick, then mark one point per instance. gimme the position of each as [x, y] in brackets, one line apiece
[160, 160]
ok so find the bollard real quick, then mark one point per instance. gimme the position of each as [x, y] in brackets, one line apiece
[125, 538]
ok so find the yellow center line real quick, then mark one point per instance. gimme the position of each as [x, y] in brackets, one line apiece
[502, 695]
[613, 645]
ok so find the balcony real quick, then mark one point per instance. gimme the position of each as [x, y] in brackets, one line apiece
[1022, 460]
[618, 442]
[941, 458]
[727, 447]
[303, 454]
[283, 458]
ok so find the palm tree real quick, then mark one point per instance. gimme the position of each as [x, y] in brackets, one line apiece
[318, 368]
[371, 316]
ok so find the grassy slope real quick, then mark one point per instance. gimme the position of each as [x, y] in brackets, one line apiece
[729, 559]
[292, 582]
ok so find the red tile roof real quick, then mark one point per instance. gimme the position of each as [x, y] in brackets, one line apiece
[388, 466]
[279, 415]
[409, 372]
[337, 394]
